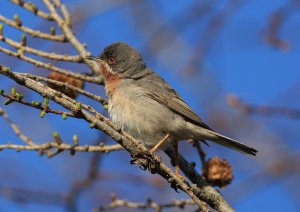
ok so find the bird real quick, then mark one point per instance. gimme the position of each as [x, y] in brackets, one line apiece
[144, 105]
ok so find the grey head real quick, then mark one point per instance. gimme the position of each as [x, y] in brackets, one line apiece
[122, 59]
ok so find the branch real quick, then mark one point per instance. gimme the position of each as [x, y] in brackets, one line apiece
[65, 27]
[79, 186]
[200, 152]
[97, 80]
[16, 128]
[32, 8]
[53, 56]
[66, 85]
[62, 146]
[34, 33]
[263, 110]
[198, 192]
[276, 23]
[206, 192]
[117, 203]
[33, 104]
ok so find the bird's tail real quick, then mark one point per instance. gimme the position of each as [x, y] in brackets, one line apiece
[232, 144]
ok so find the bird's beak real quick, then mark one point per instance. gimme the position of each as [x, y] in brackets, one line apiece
[96, 59]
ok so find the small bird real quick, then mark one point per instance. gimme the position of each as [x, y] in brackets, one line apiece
[147, 107]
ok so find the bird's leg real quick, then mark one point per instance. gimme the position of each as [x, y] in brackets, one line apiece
[159, 143]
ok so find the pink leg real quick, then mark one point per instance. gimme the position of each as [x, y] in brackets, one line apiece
[159, 143]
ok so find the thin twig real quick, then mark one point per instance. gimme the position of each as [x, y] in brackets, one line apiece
[262, 110]
[50, 67]
[79, 186]
[70, 35]
[34, 33]
[37, 106]
[200, 151]
[198, 192]
[66, 85]
[53, 56]
[28, 6]
[62, 146]
[16, 128]
[117, 203]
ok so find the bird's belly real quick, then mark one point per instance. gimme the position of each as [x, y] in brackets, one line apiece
[142, 117]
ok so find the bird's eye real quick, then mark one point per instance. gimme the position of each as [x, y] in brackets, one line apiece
[112, 60]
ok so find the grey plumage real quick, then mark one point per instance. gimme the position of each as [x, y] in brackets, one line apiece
[146, 106]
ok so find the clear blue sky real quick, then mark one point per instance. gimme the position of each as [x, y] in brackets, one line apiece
[239, 61]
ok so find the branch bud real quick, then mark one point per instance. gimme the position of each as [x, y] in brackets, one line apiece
[5, 69]
[75, 139]
[1, 29]
[7, 102]
[64, 116]
[46, 102]
[24, 40]
[13, 91]
[20, 52]
[42, 114]
[105, 106]
[19, 96]
[78, 106]
[52, 30]
[33, 7]
[57, 138]
[17, 20]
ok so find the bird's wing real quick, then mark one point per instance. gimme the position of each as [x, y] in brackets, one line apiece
[162, 92]
[178, 106]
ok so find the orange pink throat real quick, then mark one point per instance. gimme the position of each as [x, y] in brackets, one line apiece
[112, 79]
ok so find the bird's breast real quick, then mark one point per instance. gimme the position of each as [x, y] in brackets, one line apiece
[111, 83]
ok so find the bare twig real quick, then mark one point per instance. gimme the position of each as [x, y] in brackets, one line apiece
[65, 26]
[200, 151]
[276, 23]
[34, 33]
[32, 8]
[62, 146]
[53, 56]
[35, 105]
[16, 128]
[215, 25]
[117, 203]
[199, 192]
[50, 67]
[263, 110]
[79, 186]
[66, 85]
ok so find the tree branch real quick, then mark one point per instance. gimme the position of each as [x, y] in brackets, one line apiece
[32, 8]
[97, 80]
[199, 192]
[53, 56]
[16, 128]
[34, 33]
[117, 203]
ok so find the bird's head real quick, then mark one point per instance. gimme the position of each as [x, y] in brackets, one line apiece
[119, 59]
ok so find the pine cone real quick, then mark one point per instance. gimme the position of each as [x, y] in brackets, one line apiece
[67, 79]
[218, 172]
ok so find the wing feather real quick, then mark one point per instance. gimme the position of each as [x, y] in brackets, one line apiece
[159, 90]
[180, 107]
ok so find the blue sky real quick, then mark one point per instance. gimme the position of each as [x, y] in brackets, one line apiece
[238, 61]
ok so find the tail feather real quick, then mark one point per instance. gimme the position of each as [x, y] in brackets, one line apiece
[233, 144]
